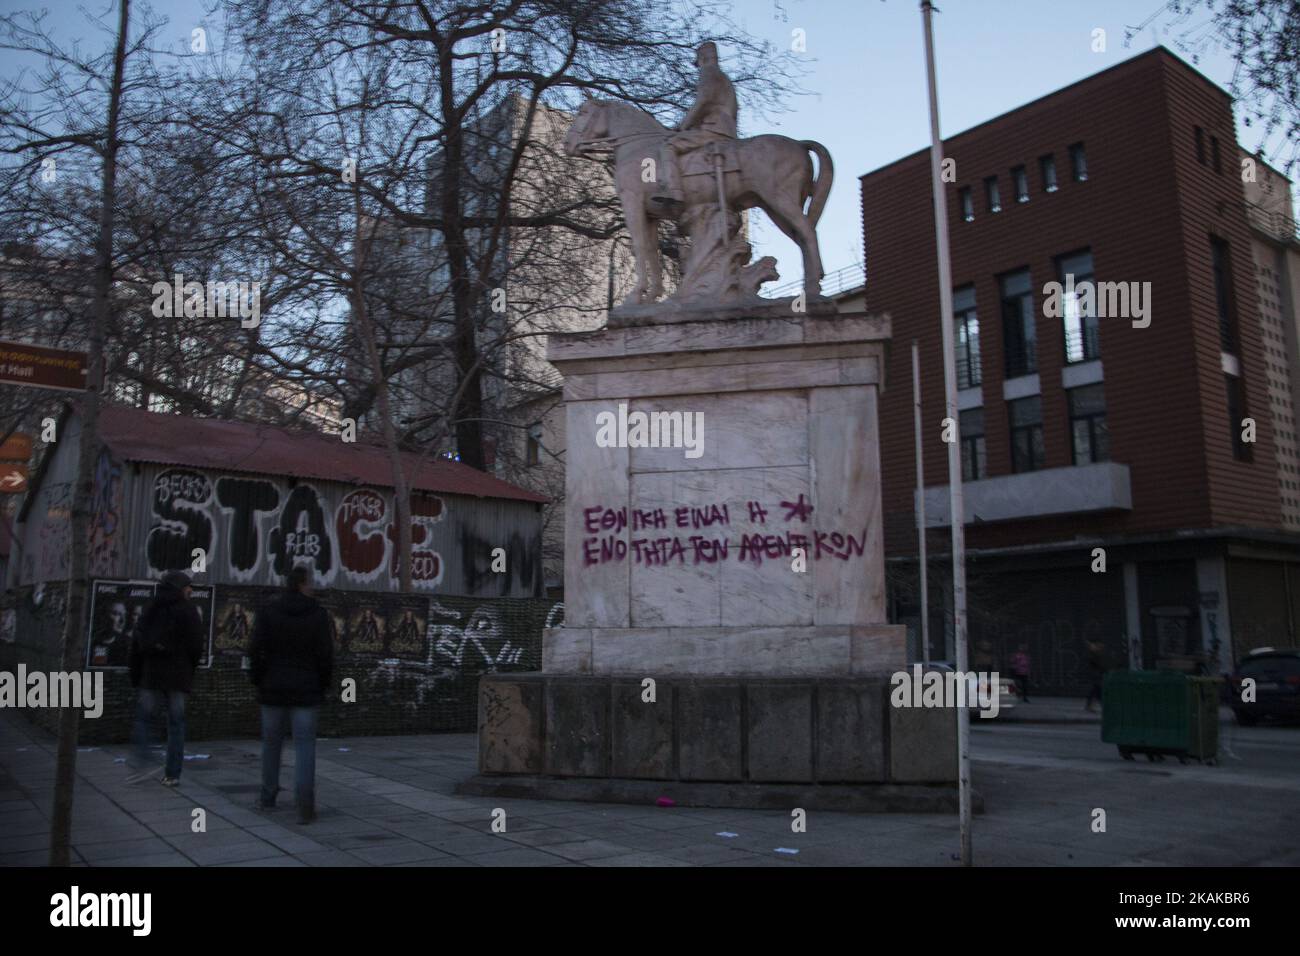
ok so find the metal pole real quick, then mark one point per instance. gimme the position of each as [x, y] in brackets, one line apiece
[722, 191]
[957, 511]
[920, 505]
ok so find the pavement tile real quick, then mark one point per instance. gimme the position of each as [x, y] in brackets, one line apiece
[587, 850]
[100, 853]
[396, 853]
[232, 852]
[518, 856]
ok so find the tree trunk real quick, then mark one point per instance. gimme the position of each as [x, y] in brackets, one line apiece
[65, 773]
[401, 488]
[468, 413]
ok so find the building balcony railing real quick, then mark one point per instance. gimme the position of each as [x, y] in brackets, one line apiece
[1275, 222]
[833, 283]
[1103, 486]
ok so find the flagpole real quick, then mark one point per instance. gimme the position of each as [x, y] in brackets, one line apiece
[957, 511]
[920, 505]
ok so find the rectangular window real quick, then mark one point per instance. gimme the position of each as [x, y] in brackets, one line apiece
[991, 193]
[533, 451]
[968, 337]
[1078, 163]
[1237, 412]
[1047, 167]
[973, 463]
[1020, 183]
[967, 204]
[1088, 432]
[1078, 313]
[1019, 340]
[1200, 146]
[1223, 300]
[1027, 434]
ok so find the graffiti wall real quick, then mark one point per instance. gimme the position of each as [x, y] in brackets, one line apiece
[414, 662]
[250, 530]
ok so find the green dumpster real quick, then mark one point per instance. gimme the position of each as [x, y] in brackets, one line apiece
[1159, 713]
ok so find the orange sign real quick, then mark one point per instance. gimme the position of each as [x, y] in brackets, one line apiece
[13, 477]
[22, 364]
[17, 447]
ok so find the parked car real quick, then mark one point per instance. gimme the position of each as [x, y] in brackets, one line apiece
[1008, 693]
[1276, 673]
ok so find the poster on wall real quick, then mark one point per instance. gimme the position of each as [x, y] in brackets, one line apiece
[115, 610]
[408, 621]
[367, 625]
[203, 598]
[234, 615]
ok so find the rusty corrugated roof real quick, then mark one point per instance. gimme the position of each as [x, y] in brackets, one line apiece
[136, 435]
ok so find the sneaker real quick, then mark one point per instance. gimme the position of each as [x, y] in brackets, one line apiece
[171, 781]
[140, 776]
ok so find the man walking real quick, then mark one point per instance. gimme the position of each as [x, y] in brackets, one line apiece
[291, 658]
[1097, 670]
[1020, 671]
[165, 649]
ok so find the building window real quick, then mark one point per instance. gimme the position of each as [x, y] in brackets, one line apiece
[991, 193]
[968, 337]
[533, 450]
[1020, 183]
[1088, 432]
[1237, 412]
[1200, 146]
[1223, 300]
[1018, 337]
[973, 463]
[1047, 167]
[1027, 434]
[1078, 163]
[1214, 153]
[967, 204]
[1082, 342]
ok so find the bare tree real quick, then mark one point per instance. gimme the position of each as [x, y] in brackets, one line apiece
[450, 66]
[1263, 39]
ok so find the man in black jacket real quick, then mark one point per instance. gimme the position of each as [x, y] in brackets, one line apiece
[165, 649]
[291, 658]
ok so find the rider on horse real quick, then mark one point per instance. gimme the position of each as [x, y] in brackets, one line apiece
[711, 120]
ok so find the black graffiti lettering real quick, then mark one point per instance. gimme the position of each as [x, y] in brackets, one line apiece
[301, 533]
[246, 498]
[180, 501]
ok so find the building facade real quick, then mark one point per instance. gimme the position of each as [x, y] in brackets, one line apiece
[1120, 440]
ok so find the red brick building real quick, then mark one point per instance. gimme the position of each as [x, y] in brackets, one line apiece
[1082, 428]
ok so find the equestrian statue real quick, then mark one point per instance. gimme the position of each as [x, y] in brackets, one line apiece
[703, 177]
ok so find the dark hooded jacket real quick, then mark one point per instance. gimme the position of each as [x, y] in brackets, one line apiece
[291, 656]
[168, 642]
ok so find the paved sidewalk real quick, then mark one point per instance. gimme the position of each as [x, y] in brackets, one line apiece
[1051, 710]
[390, 801]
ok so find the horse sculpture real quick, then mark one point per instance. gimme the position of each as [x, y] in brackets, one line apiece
[773, 173]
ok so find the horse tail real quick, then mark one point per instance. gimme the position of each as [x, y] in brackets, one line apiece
[821, 187]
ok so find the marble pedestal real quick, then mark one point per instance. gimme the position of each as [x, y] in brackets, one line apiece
[752, 554]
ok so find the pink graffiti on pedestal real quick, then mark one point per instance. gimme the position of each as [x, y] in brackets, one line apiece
[604, 542]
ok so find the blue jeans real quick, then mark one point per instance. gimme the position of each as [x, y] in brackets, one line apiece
[276, 721]
[146, 705]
